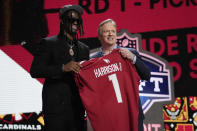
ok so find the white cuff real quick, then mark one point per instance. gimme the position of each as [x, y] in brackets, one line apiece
[134, 59]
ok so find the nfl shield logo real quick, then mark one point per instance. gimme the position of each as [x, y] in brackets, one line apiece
[159, 87]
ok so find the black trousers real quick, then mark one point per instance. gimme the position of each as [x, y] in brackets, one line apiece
[140, 118]
[63, 123]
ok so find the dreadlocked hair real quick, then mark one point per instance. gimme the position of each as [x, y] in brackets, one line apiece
[65, 22]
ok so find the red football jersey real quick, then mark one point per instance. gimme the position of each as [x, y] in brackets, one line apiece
[108, 87]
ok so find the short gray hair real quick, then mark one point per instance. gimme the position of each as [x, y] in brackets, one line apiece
[104, 22]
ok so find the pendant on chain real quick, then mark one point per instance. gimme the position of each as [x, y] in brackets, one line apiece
[71, 52]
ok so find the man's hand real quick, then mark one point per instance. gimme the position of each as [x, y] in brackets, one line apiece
[126, 54]
[72, 66]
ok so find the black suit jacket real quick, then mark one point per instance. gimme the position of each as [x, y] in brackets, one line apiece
[60, 94]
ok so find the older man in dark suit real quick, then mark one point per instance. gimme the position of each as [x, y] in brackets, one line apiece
[107, 36]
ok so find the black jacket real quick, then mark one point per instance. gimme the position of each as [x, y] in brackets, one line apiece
[60, 94]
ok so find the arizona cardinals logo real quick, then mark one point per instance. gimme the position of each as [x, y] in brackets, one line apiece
[20, 98]
[176, 112]
[106, 61]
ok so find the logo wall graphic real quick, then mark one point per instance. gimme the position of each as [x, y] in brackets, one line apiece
[181, 115]
[159, 89]
[20, 95]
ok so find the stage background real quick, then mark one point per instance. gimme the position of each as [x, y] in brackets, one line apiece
[168, 29]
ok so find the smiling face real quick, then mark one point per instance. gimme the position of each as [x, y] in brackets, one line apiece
[107, 34]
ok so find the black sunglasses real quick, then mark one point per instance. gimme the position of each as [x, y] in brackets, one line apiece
[72, 20]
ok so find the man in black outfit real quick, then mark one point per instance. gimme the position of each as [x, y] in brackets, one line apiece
[56, 61]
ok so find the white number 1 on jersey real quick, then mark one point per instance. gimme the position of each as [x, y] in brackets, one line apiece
[116, 86]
